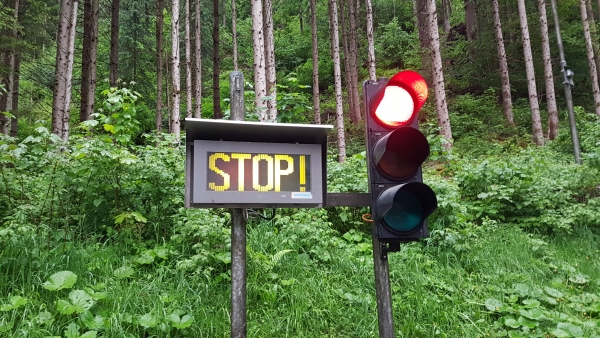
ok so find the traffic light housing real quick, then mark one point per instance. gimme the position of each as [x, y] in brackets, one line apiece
[396, 149]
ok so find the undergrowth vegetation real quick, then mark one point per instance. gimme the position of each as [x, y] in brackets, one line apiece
[95, 242]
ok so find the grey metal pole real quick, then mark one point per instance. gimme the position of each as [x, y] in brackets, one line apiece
[567, 83]
[382, 289]
[238, 228]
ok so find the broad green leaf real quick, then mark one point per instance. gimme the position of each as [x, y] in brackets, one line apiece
[60, 280]
[181, 322]
[148, 320]
[574, 330]
[493, 304]
[44, 318]
[72, 331]
[5, 325]
[521, 289]
[92, 322]
[145, 258]
[81, 300]
[510, 321]
[124, 272]
[14, 302]
[89, 334]
[110, 128]
[531, 303]
[560, 333]
[64, 307]
[224, 256]
[528, 322]
[515, 334]
[553, 292]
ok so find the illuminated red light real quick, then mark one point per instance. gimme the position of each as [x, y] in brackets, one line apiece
[404, 95]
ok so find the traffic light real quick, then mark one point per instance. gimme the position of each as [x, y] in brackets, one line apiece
[400, 202]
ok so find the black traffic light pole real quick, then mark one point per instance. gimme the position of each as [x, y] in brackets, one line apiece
[238, 228]
[567, 84]
[382, 288]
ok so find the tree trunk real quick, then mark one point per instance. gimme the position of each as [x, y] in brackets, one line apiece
[354, 61]
[5, 123]
[549, 78]
[218, 114]
[315, 62]
[270, 61]
[160, 5]
[89, 55]
[69, 75]
[470, 19]
[114, 44]
[14, 126]
[593, 34]
[198, 60]
[370, 41]
[446, 12]
[188, 61]
[590, 55]
[59, 97]
[347, 67]
[421, 10]
[175, 73]
[339, 108]
[504, 77]
[260, 76]
[538, 136]
[438, 74]
[234, 34]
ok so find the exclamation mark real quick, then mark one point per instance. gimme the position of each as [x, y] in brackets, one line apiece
[302, 173]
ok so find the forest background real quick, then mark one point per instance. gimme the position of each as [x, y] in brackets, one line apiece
[94, 237]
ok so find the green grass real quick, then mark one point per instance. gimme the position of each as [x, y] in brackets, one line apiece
[438, 290]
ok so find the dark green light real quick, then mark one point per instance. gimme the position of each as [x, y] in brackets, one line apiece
[406, 212]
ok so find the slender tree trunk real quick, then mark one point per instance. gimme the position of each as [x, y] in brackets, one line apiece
[347, 67]
[538, 136]
[160, 6]
[188, 61]
[88, 62]
[471, 25]
[354, 61]
[198, 60]
[506, 95]
[315, 62]
[446, 12]
[114, 44]
[175, 73]
[590, 55]
[370, 41]
[438, 74]
[339, 108]
[260, 76]
[218, 114]
[593, 34]
[14, 126]
[549, 78]
[4, 121]
[234, 34]
[69, 75]
[11, 61]
[270, 61]
[421, 10]
[60, 93]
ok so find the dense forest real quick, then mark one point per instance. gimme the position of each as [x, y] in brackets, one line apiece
[95, 239]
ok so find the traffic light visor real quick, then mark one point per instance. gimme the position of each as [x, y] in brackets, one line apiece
[398, 103]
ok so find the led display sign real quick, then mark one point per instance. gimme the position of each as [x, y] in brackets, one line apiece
[256, 174]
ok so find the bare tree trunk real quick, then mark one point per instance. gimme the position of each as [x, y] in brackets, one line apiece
[370, 41]
[347, 66]
[506, 95]
[471, 25]
[549, 78]
[4, 121]
[160, 5]
[175, 73]
[218, 114]
[188, 61]
[590, 55]
[339, 108]
[114, 44]
[11, 62]
[69, 74]
[354, 61]
[14, 126]
[421, 10]
[260, 76]
[198, 60]
[270, 61]
[62, 59]
[234, 34]
[593, 34]
[88, 62]
[538, 136]
[315, 62]
[438, 74]
[446, 12]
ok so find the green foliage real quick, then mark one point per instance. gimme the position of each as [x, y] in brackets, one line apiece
[396, 46]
